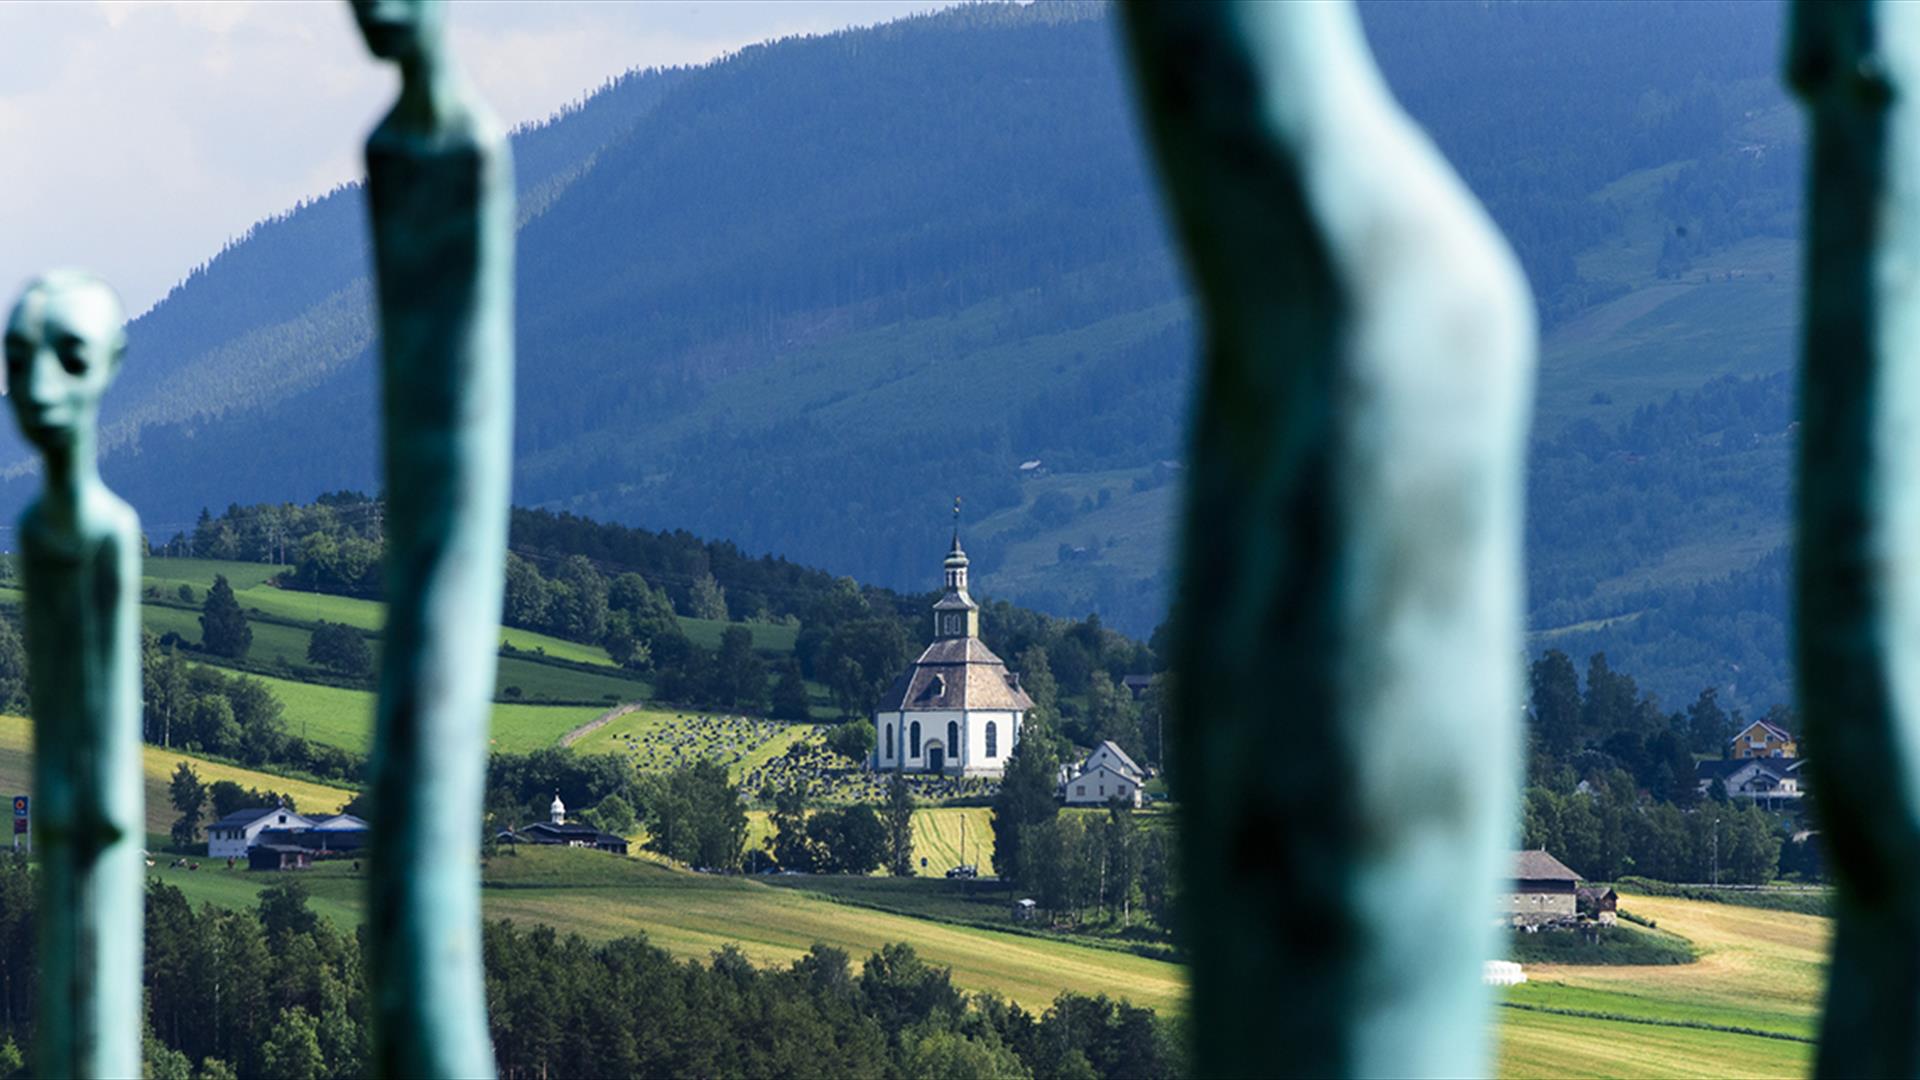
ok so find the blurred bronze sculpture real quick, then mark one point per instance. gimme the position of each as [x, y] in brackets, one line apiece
[80, 558]
[1352, 561]
[1857, 582]
[440, 187]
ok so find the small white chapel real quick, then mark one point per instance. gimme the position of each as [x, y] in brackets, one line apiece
[957, 710]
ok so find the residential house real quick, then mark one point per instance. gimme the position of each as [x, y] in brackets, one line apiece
[1764, 740]
[1770, 781]
[1103, 775]
[1542, 890]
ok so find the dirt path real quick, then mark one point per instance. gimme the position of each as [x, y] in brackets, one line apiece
[598, 722]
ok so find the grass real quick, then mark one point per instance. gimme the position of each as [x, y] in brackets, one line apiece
[169, 574]
[1622, 944]
[157, 765]
[344, 718]
[538, 681]
[936, 834]
[767, 637]
[1757, 969]
[603, 896]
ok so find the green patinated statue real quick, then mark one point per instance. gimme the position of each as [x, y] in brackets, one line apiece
[80, 558]
[1349, 613]
[440, 188]
[1857, 618]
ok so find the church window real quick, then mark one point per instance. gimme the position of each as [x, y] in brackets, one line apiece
[993, 739]
[889, 741]
[953, 739]
[913, 740]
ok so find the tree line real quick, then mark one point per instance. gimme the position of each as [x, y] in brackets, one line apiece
[1612, 785]
[277, 991]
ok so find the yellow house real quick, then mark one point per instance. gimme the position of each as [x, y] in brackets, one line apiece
[1761, 739]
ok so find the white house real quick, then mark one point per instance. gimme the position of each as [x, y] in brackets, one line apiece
[1106, 773]
[231, 836]
[957, 710]
[1767, 780]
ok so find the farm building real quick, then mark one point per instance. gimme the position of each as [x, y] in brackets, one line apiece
[560, 832]
[278, 857]
[233, 835]
[1599, 904]
[1543, 890]
[957, 710]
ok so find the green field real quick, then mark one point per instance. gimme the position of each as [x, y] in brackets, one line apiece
[1760, 970]
[344, 718]
[936, 838]
[16, 776]
[603, 896]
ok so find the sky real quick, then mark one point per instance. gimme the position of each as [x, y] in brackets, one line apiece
[141, 136]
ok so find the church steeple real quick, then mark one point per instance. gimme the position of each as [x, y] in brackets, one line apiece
[956, 615]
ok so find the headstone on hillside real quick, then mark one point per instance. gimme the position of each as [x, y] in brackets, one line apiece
[440, 193]
[1352, 546]
[80, 560]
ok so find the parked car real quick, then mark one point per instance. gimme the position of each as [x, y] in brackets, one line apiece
[964, 871]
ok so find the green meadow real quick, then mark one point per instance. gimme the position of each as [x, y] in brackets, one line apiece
[603, 896]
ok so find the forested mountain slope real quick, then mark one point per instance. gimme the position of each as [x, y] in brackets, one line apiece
[803, 296]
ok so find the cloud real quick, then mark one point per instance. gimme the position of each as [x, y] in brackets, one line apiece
[143, 136]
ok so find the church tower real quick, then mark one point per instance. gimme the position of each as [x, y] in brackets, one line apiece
[558, 811]
[956, 615]
[957, 710]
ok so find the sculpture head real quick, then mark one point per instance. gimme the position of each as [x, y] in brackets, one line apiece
[64, 342]
[400, 29]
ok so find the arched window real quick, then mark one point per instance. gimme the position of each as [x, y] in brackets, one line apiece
[953, 739]
[913, 740]
[889, 742]
[993, 739]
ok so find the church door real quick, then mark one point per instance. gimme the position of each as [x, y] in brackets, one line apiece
[936, 757]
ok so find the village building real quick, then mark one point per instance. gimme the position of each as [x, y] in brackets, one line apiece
[1542, 891]
[1763, 740]
[278, 857]
[1602, 905]
[1772, 782]
[1106, 774]
[957, 710]
[231, 836]
[558, 831]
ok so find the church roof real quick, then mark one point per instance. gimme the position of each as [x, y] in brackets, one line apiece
[956, 673]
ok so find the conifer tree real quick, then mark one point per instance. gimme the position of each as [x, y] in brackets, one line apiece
[899, 827]
[223, 626]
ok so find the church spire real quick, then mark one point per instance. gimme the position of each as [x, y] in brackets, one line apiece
[956, 615]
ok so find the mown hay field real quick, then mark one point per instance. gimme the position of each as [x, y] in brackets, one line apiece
[16, 776]
[1759, 970]
[603, 896]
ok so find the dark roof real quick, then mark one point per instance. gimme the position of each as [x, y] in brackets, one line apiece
[548, 832]
[240, 819]
[956, 673]
[1537, 865]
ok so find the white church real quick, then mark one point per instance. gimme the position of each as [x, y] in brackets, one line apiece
[957, 710]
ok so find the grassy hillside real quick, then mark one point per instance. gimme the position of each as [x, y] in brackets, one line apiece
[344, 718]
[1758, 970]
[16, 776]
[603, 896]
